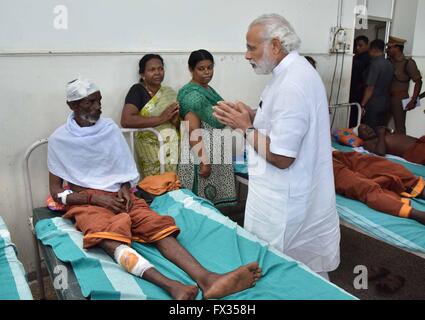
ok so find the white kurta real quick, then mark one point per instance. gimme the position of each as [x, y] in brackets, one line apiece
[294, 209]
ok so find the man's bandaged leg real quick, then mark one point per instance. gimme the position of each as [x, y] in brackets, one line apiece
[131, 261]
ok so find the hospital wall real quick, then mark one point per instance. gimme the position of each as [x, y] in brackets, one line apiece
[32, 80]
[404, 23]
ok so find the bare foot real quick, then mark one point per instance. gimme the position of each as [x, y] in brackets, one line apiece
[180, 291]
[417, 215]
[218, 286]
[257, 274]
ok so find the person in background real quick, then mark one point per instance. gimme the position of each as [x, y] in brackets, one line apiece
[379, 183]
[405, 70]
[361, 61]
[312, 61]
[149, 104]
[384, 141]
[212, 181]
[376, 98]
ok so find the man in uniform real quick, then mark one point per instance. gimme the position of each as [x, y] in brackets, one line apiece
[405, 70]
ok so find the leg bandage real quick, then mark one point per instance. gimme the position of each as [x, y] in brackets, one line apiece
[131, 261]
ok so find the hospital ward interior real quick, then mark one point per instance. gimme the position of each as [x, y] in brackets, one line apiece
[212, 150]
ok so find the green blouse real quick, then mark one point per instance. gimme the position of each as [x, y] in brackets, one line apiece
[199, 100]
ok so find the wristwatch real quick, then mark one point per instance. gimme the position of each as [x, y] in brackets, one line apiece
[247, 130]
[64, 195]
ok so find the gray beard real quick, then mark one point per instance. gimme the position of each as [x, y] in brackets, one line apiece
[89, 119]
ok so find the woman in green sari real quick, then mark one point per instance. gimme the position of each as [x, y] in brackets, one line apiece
[149, 104]
[215, 182]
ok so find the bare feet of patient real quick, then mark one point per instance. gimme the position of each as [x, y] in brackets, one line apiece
[180, 291]
[417, 215]
[217, 286]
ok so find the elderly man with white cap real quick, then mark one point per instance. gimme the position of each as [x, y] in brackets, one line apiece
[92, 156]
[291, 203]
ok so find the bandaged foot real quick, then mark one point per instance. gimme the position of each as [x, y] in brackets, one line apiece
[131, 261]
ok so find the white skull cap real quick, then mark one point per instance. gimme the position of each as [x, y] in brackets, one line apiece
[79, 89]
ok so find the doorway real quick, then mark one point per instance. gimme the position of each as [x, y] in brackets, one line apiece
[376, 30]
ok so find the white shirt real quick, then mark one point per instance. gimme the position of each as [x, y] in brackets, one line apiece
[294, 209]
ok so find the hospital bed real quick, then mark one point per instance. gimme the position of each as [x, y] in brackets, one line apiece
[13, 282]
[217, 242]
[405, 234]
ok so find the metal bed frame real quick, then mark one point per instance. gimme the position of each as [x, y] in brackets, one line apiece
[348, 106]
[30, 201]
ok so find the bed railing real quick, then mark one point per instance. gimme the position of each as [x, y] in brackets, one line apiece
[132, 132]
[340, 115]
[29, 194]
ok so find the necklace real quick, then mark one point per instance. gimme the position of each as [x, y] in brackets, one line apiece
[151, 92]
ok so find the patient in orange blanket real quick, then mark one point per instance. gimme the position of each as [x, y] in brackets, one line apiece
[381, 184]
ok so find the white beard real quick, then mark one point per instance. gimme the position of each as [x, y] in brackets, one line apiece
[265, 65]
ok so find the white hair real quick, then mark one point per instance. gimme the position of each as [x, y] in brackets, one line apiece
[276, 26]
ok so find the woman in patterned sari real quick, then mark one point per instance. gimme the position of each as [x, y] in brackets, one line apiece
[149, 104]
[215, 182]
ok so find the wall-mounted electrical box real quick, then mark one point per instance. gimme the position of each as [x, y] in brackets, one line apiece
[340, 40]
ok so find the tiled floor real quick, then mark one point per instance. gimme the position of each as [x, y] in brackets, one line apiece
[358, 249]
